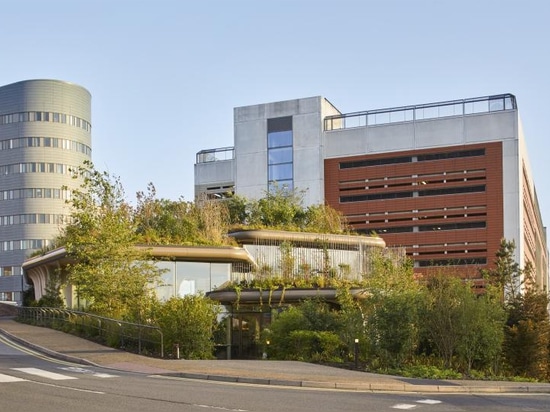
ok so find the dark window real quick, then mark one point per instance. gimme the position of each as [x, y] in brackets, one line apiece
[451, 155]
[452, 191]
[279, 124]
[376, 196]
[375, 162]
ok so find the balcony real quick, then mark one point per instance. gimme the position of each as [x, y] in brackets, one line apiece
[215, 155]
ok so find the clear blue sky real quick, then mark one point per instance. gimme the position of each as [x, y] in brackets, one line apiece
[165, 75]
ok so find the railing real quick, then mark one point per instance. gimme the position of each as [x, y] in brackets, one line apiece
[132, 337]
[215, 155]
[421, 112]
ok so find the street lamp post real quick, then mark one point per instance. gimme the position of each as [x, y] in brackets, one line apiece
[356, 353]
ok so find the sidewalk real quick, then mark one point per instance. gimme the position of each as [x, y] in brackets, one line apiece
[265, 372]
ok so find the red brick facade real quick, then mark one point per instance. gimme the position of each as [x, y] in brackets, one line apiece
[443, 205]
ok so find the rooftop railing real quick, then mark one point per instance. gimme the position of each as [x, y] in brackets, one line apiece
[215, 155]
[421, 112]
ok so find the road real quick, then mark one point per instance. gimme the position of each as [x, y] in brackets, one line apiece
[30, 382]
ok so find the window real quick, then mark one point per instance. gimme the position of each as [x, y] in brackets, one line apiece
[280, 153]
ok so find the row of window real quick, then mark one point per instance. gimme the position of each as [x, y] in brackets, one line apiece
[451, 262]
[424, 228]
[368, 186]
[10, 245]
[386, 219]
[35, 167]
[410, 159]
[33, 218]
[45, 117]
[429, 210]
[55, 142]
[35, 193]
[400, 195]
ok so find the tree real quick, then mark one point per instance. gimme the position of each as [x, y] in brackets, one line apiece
[461, 325]
[169, 222]
[481, 342]
[527, 333]
[306, 332]
[109, 272]
[189, 322]
[391, 310]
[507, 278]
[52, 296]
[527, 329]
[283, 209]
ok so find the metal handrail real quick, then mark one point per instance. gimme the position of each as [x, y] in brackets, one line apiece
[87, 324]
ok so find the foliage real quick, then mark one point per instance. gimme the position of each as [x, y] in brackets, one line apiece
[527, 330]
[391, 327]
[283, 209]
[507, 278]
[527, 343]
[461, 326]
[306, 332]
[428, 372]
[390, 311]
[189, 322]
[162, 221]
[481, 342]
[52, 298]
[314, 346]
[109, 272]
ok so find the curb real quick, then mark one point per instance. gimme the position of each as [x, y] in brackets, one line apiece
[346, 386]
[53, 354]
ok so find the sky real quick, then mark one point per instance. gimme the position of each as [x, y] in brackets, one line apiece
[165, 75]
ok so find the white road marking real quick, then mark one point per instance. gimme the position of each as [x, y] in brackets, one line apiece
[429, 401]
[89, 372]
[8, 378]
[405, 406]
[44, 374]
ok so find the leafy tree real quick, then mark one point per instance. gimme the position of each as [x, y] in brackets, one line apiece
[52, 298]
[461, 324]
[391, 310]
[527, 330]
[443, 317]
[162, 221]
[527, 333]
[109, 272]
[283, 209]
[481, 342]
[189, 322]
[507, 278]
[305, 332]
[325, 219]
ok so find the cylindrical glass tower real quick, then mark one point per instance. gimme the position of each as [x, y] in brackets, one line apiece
[45, 131]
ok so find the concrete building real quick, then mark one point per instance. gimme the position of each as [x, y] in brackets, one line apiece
[45, 129]
[445, 180]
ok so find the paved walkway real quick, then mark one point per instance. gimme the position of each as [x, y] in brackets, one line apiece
[288, 373]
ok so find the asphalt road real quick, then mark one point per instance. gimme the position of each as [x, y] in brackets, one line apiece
[30, 382]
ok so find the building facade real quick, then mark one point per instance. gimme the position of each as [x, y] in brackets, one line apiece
[45, 130]
[309, 264]
[446, 181]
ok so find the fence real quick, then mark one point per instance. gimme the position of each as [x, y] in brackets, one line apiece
[132, 337]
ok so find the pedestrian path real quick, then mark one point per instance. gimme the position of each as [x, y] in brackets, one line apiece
[267, 372]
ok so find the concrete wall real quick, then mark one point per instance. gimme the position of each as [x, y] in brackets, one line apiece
[251, 146]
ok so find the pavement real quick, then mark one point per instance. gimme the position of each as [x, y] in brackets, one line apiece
[70, 348]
